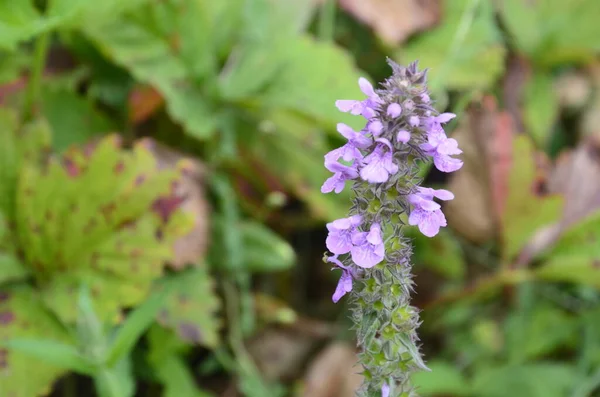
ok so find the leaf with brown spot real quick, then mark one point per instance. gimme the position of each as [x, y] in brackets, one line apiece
[22, 315]
[113, 242]
[191, 311]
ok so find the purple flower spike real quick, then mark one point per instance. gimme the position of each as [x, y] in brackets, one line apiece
[394, 110]
[337, 181]
[379, 165]
[427, 214]
[357, 139]
[345, 283]
[368, 248]
[403, 136]
[385, 390]
[339, 240]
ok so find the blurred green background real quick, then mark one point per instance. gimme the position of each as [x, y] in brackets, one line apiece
[162, 227]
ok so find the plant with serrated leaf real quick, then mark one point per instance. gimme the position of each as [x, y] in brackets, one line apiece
[89, 217]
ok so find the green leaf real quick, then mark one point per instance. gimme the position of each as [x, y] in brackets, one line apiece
[465, 52]
[169, 366]
[545, 31]
[528, 380]
[524, 211]
[74, 120]
[540, 107]
[265, 251]
[576, 255]
[292, 150]
[312, 77]
[11, 269]
[107, 238]
[23, 316]
[537, 333]
[190, 311]
[268, 28]
[52, 352]
[134, 326]
[146, 42]
[442, 254]
[444, 379]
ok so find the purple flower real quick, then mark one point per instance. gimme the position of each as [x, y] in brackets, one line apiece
[339, 240]
[425, 98]
[440, 147]
[345, 283]
[426, 213]
[379, 165]
[357, 139]
[368, 248]
[403, 136]
[414, 121]
[375, 127]
[385, 390]
[394, 110]
[365, 108]
[337, 181]
[348, 152]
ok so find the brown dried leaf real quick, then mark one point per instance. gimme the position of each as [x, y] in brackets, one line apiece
[143, 102]
[279, 353]
[485, 136]
[576, 178]
[333, 373]
[394, 20]
[190, 196]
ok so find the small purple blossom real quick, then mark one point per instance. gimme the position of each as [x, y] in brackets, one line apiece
[375, 127]
[379, 165]
[337, 181]
[385, 390]
[348, 152]
[345, 283]
[426, 213]
[339, 240]
[403, 136]
[414, 121]
[367, 107]
[368, 248]
[394, 110]
[440, 147]
[358, 139]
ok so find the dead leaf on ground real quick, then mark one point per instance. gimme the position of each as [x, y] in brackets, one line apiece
[280, 352]
[575, 177]
[143, 102]
[333, 373]
[485, 136]
[394, 20]
[189, 194]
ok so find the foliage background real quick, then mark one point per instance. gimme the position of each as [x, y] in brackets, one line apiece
[161, 225]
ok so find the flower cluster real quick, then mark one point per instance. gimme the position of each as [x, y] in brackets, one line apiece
[381, 161]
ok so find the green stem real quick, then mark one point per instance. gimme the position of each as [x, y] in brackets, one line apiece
[107, 385]
[327, 21]
[35, 78]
